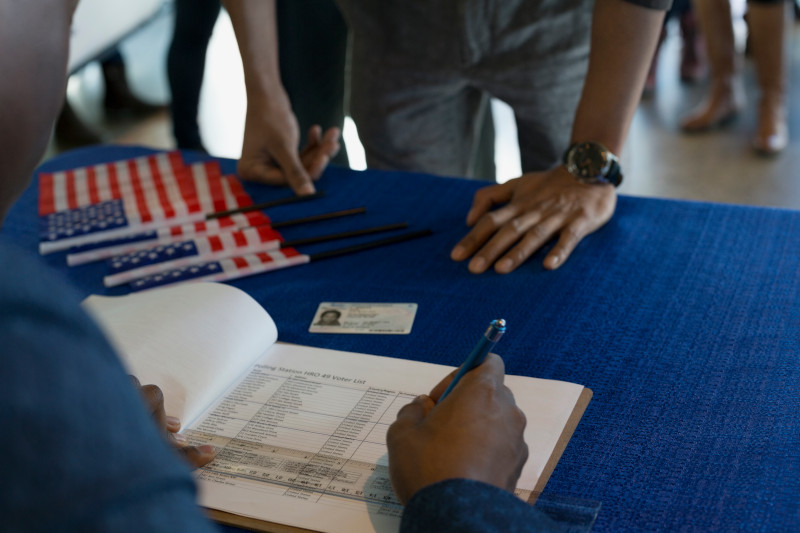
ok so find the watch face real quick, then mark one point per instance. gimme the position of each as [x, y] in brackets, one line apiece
[587, 161]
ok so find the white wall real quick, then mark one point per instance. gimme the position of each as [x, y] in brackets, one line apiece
[98, 24]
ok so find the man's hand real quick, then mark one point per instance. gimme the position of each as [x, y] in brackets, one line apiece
[475, 433]
[269, 151]
[538, 206]
[196, 456]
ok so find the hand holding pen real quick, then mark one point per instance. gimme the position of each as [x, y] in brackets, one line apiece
[477, 434]
[478, 354]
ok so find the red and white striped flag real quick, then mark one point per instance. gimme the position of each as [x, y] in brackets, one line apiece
[224, 269]
[233, 195]
[129, 197]
[201, 249]
[85, 186]
[100, 251]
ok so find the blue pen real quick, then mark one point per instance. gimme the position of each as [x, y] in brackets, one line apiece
[478, 354]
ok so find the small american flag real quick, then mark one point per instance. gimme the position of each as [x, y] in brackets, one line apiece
[81, 187]
[224, 269]
[99, 251]
[234, 196]
[127, 197]
[201, 249]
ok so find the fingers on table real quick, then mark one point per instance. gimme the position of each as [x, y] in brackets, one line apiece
[509, 233]
[486, 226]
[509, 236]
[260, 169]
[296, 176]
[487, 198]
[571, 234]
[516, 241]
[319, 150]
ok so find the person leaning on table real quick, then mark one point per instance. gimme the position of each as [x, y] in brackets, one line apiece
[572, 71]
[81, 451]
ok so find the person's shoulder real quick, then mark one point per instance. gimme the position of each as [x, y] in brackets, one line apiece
[61, 382]
[25, 278]
[40, 309]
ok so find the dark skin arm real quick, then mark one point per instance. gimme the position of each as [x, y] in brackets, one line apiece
[271, 136]
[539, 206]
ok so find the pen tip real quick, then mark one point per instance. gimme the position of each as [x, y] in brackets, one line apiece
[499, 323]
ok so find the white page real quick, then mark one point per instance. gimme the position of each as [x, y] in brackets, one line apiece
[191, 340]
[304, 417]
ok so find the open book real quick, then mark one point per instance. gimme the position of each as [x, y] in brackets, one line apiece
[300, 431]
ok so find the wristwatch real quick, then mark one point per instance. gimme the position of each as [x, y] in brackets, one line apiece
[591, 162]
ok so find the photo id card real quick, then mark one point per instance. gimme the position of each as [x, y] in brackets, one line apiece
[386, 319]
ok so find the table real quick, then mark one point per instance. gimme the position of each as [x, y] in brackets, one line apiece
[682, 317]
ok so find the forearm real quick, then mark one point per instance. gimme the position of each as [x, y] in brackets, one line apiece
[271, 136]
[624, 38]
[257, 34]
[34, 37]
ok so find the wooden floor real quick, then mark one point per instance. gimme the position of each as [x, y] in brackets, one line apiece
[658, 159]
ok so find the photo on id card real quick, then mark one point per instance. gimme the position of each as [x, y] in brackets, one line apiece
[370, 318]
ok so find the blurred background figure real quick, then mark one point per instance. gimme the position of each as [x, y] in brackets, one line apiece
[186, 62]
[312, 49]
[770, 33]
[118, 100]
[693, 61]
[707, 168]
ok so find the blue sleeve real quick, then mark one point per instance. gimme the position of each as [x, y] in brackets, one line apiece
[466, 506]
[79, 450]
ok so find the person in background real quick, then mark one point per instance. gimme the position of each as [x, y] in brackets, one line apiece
[118, 101]
[770, 35]
[186, 62]
[312, 50]
[84, 452]
[418, 77]
[693, 61]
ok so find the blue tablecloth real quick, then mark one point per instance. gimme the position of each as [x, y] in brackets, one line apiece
[682, 317]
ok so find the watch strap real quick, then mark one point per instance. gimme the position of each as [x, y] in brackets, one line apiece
[614, 175]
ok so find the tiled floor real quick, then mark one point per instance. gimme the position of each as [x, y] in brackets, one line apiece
[658, 159]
